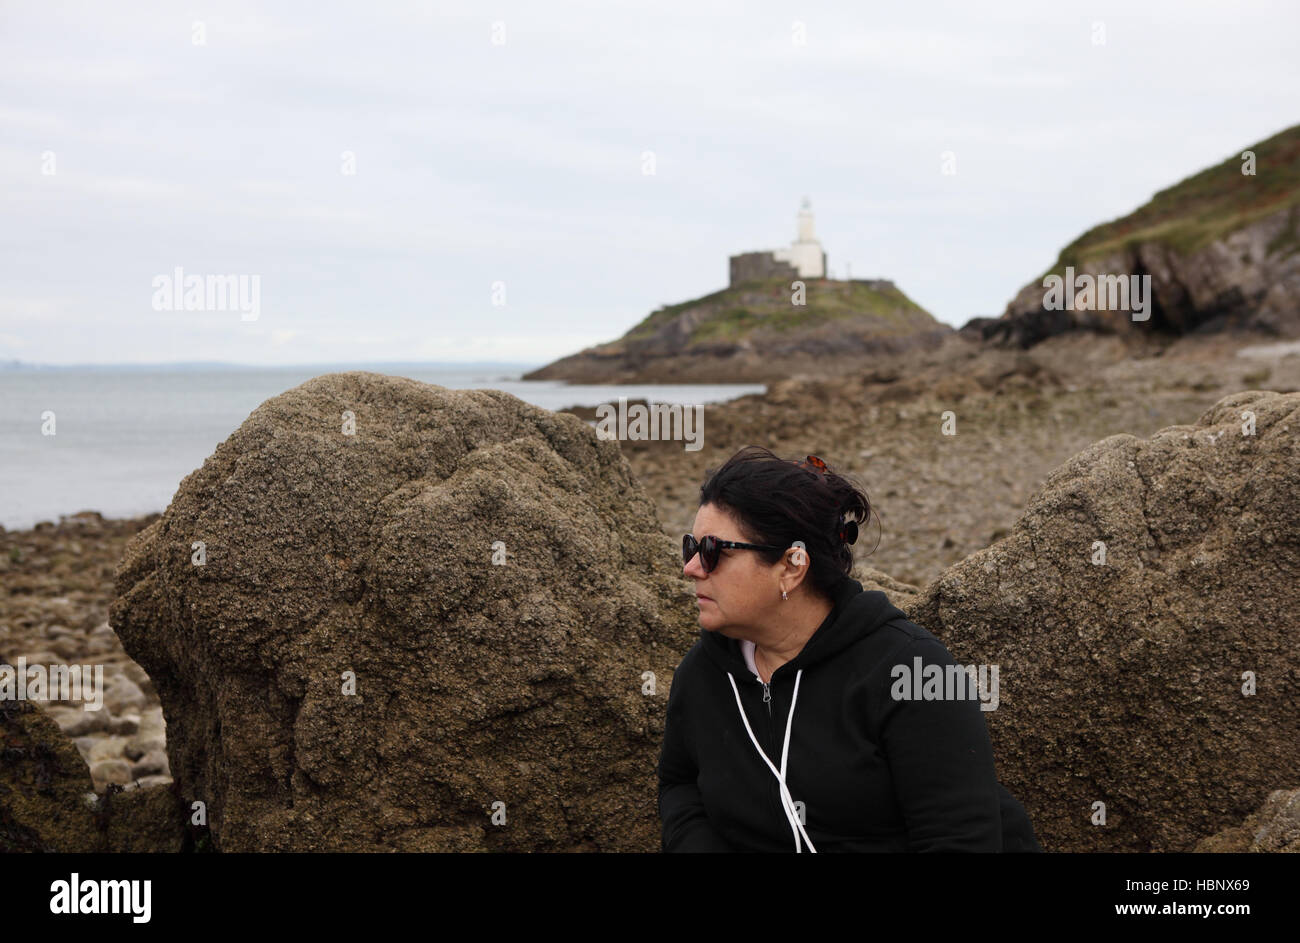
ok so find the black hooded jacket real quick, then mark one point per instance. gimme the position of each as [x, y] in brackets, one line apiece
[872, 772]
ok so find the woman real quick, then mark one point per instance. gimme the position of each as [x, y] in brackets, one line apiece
[787, 728]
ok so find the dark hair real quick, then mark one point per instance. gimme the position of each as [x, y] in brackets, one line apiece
[777, 501]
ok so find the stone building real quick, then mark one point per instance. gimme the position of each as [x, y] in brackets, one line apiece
[804, 259]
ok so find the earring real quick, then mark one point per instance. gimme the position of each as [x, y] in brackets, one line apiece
[783, 595]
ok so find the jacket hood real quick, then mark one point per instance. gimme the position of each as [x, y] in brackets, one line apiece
[855, 614]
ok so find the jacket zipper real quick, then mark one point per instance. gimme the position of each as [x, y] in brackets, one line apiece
[774, 791]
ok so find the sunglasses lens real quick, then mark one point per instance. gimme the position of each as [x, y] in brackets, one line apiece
[707, 549]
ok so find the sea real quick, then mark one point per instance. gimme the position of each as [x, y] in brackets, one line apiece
[124, 437]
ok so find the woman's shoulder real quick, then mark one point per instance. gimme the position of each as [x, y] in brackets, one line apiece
[691, 661]
[898, 637]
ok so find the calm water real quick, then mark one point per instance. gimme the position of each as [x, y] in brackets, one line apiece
[125, 437]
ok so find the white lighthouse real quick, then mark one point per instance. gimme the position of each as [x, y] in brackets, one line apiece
[804, 259]
[805, 253]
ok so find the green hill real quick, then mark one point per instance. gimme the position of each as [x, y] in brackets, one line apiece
[1206, 206]
[734, 313]
[756, 332]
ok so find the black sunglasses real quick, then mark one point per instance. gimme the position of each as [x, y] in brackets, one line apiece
[710, 547]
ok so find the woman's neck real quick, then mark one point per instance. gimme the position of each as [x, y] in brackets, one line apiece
[786, 642]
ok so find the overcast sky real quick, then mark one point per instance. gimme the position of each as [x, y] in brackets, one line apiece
[506, 142]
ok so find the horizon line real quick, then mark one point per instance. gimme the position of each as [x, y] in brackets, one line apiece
[15, 364]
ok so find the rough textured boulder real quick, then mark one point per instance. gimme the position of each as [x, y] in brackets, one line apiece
[900, 594]
[370, 556]
[143, 818]
[1275, 827]
[45, 789]
[1123, 683]
[48, 802]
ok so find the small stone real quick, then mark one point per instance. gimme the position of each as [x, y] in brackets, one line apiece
[61, 713]
[154, 763]
[101, 646]
[77, 723]
[140, 745]
[111, 771]
[107, 748]
[127, 725]
[124, 695]
[68, 646]
[84, 746]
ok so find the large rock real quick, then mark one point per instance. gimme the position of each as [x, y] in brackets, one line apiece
[1123, 683]
[45, 789]
[370, 555]
[48, 802]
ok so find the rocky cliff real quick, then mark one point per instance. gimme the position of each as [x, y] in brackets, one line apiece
[1221, 250]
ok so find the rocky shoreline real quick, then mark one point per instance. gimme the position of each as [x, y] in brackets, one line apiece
[1017, 416]
[58, 580]
[1021, 415]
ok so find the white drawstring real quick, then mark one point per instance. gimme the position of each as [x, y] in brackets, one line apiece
[787, 802]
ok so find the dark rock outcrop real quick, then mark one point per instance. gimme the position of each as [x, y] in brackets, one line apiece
[349, 670]
[1123, 682]
[45, 789]
[1221, 250]
[1237, 282]
[1274, 827]
[48, 802]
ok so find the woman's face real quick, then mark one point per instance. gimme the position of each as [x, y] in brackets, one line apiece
[737, 596]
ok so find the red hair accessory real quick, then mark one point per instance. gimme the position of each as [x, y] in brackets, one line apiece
[849, 529]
